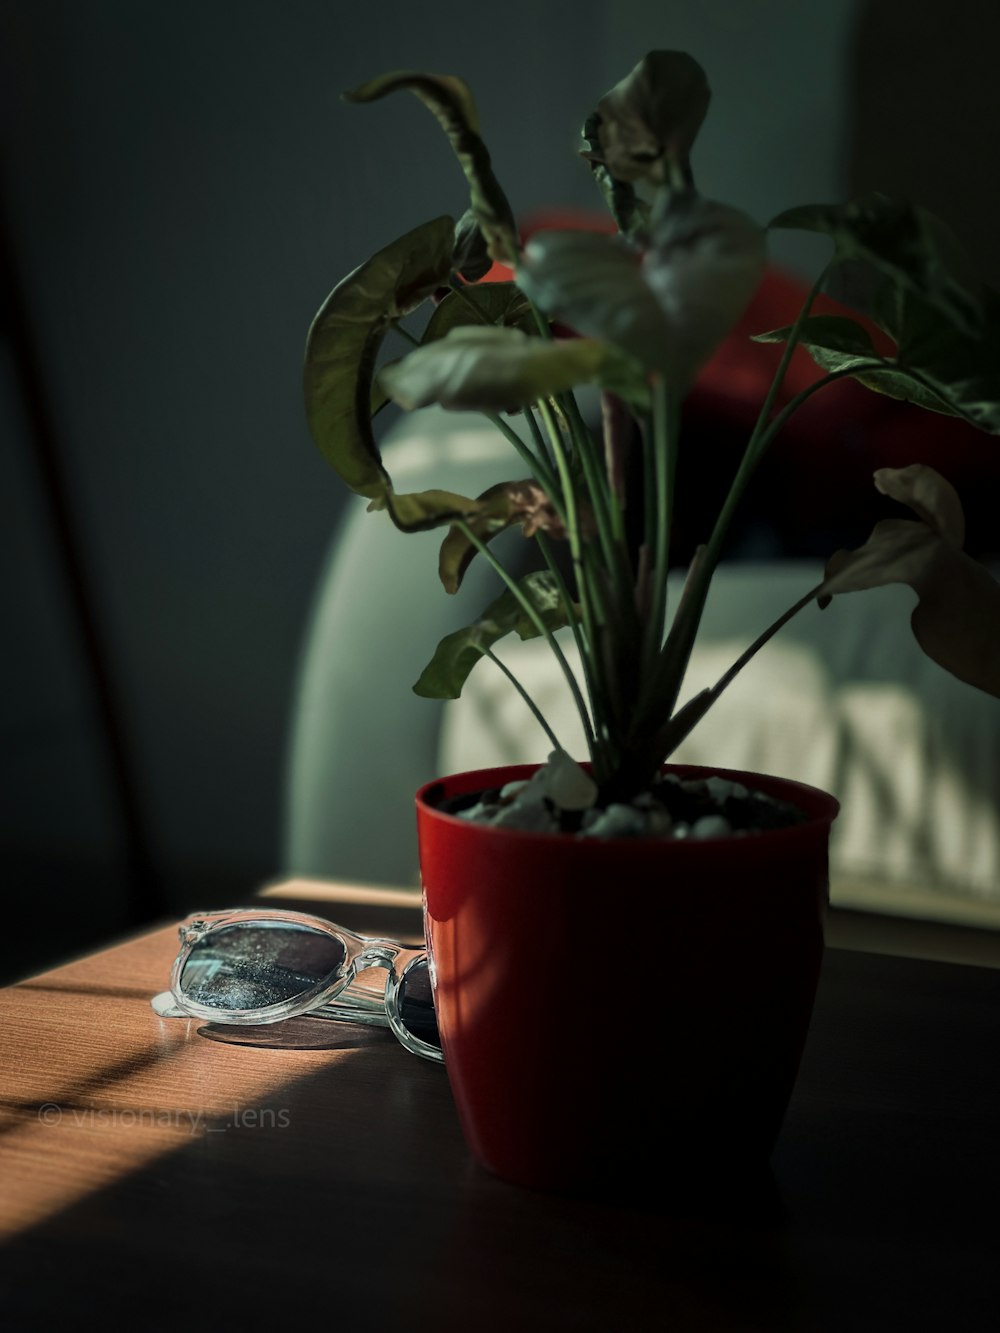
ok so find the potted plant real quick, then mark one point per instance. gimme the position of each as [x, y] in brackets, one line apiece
[596, 924]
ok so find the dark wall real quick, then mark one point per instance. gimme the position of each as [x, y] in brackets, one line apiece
[182, 187]
[925, 118]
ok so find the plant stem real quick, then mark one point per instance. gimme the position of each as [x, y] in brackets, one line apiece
[585, 588]
[538, 467]
[541, 323]
[607, 511]
[612, 582]
[459, 289]
[545, 546]
[539, 438]
[614, 420]
[536, 619]
[786, 356]
[760, 641]
[572, 517]
[595, 476]
[687, 718]
[672, 665]
[795, 403]
[664, 449]
[583, 443]
[536, 711]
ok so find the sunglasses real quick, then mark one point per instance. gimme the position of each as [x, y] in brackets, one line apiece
[261, 966]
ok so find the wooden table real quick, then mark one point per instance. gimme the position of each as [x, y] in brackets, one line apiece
[162, 1174]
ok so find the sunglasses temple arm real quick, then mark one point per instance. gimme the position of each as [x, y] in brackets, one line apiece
[359, 1010]
[365, 1011]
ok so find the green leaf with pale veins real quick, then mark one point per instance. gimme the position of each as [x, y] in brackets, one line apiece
[907, 244]
[499, 304]
[450, 100]
[829, 333]
[837, 343]
[964, 371]
[344, 341]
[456, 654]
[936, 367]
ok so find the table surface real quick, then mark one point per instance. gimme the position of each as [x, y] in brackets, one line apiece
[172, 1174]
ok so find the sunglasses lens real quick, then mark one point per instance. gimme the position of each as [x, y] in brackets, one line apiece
[251, 964]
[416, 1004]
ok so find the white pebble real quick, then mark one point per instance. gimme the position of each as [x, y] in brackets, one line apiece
[711, 826]
[617, 821]
[478, 812]
[531, 817]
[658, 822]
[566, 784]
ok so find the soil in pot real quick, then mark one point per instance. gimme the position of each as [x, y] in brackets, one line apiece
[562, 798]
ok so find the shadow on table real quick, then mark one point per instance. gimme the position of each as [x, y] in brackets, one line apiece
[360, 1194]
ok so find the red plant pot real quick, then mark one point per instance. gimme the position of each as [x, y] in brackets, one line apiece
[629, 1005]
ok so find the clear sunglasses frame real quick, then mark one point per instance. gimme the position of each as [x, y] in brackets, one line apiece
[341, 996]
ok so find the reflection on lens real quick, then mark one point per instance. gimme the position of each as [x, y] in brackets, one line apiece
[416, 1004]
[251, 964]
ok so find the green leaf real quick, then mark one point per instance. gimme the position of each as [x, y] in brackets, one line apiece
[451, 103]
[471, 258]
[491, 369]
[500, 304]
[595, 284]
[645, 126]
[898, 383]
[837, 343]
[631, 214]
[703, 265]
[456, 654]
[343, 344]
[668, 310]
[936, 368]
[422, 510]
[962, 371]
[907, 244]
[830, 333]
[500, 507]
[957, 618]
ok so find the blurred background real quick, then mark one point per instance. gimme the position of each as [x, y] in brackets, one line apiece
[181, 187]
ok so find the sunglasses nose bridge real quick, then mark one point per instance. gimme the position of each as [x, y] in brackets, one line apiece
[376, 953]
